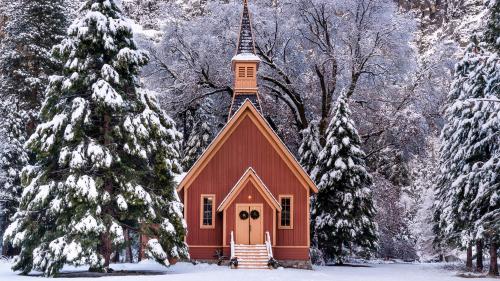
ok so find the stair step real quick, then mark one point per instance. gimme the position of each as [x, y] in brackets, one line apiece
[250, 250]
[251, 256]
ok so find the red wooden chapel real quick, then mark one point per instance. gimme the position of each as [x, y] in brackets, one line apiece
[247, 196]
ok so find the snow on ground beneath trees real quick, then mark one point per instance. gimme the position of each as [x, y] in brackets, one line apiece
[205, 272]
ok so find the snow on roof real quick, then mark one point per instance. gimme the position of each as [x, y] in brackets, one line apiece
[246, 57]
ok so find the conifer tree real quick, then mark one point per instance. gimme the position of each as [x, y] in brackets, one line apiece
[31, 30]
[343, 212]
[106, 156]
[486, 204]
[469, 184]
[201, 135]
[310, 147]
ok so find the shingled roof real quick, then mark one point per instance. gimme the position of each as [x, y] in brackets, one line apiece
[246, 42]
[239, 100]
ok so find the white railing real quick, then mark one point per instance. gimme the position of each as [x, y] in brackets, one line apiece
[269, 245]
[232, 245]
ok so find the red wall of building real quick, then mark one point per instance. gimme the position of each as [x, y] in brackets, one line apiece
[246, 147]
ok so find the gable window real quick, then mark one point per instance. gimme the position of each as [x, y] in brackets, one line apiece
[207, 216]
[286, 217]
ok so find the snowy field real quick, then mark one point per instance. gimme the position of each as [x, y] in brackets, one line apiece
[205, 272]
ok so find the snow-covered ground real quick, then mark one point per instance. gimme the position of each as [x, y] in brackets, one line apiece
[205, 272]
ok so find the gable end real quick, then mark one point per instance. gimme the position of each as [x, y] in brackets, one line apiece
[248, 110]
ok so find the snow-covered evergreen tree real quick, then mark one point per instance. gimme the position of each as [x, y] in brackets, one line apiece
[343, 212]
[31, 30]
[310, 147]
[201, 135]
[106, 155]
[13, 158]
[486, 151]
[469, 185]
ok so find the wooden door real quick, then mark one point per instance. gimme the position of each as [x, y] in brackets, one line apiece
[256, 225]
[242, 225]
[249, 224]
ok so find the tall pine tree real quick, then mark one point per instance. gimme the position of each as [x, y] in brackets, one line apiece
[310, 147]
[469, 185]
[31, 29]
[343, 212]
[106, 155]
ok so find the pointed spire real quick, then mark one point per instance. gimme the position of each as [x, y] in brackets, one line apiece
[246, 41]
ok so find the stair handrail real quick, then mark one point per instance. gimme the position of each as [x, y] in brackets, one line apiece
[269, 245]
[232, 245]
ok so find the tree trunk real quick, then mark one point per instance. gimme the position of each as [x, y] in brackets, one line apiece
[105, 248]
[6, 250]
[479, 256]
[116, 259]
[340, 259]
[493, 259]
[141, 248]
[468, 263]
[128, 251]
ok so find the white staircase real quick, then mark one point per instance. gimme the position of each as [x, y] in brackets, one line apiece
[252, 256]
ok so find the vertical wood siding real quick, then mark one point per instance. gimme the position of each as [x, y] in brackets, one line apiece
[245, 148]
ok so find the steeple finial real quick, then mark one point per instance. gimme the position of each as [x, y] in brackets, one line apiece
[246, 40]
